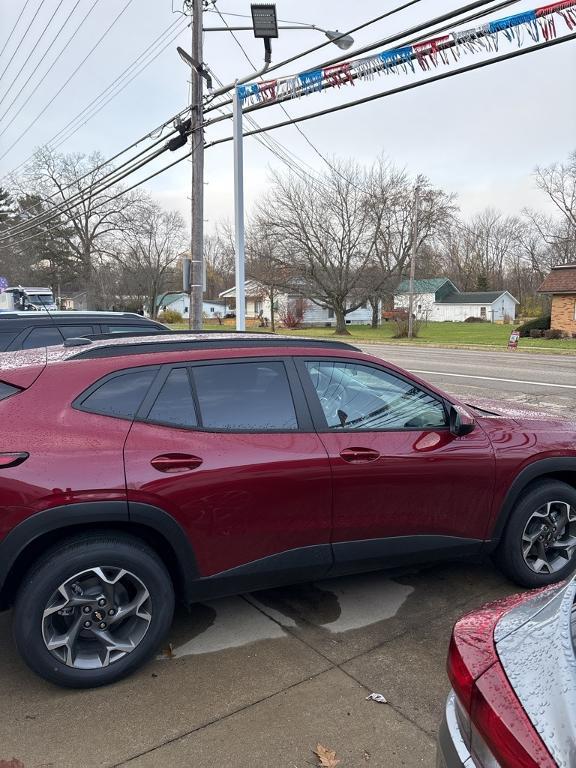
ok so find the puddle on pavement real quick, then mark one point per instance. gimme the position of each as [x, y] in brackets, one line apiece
[336, 605]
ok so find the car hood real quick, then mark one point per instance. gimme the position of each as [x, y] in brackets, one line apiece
[535, 643]
[493, 409]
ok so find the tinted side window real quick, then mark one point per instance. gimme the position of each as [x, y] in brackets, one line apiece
[355, 396]
[174, 404]
[5, 339]
[42, 337]
[251, 396]
[120, 395]
[50, 335]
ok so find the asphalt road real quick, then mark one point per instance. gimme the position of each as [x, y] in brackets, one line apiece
[542, 381]
[260, 680]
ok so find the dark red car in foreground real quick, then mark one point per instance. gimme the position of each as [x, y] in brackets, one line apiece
[134, 471]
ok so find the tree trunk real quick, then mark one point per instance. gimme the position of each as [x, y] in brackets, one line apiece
[272, 323]
[375, 304]
[89, 287]
[341, 329]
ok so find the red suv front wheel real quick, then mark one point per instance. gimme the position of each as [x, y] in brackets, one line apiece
[93, 610]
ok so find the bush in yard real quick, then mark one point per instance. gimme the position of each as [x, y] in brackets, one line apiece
[540, 323]
[473, 319]
[553, 333]
[170, 316]
[402, 328]
[536, 333]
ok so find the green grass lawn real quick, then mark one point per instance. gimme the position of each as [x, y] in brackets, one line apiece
[449, 334]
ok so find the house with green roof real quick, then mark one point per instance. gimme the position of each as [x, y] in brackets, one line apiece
[440, 300]
[178, 301]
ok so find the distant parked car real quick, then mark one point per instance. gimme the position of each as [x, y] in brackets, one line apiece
[28, 330]
[394, 314]
[134, 471]
[512, 666]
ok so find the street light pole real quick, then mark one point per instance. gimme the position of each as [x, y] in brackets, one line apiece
[413, 262]
[239, 212]
[197, 187]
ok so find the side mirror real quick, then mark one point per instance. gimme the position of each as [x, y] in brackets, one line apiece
[461, 421]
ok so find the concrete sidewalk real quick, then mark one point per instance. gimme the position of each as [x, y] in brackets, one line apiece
[259, 680]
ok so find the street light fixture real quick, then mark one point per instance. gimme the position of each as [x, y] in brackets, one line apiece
[264, 21]
[265, 26]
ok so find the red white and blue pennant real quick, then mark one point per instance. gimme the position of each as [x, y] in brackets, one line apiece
[533, 25]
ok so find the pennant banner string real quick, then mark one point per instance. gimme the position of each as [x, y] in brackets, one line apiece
[536, 24]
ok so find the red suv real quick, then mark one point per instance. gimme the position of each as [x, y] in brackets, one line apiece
[134, 471]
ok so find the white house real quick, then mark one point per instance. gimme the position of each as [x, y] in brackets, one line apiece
[180, 302]
[440, 300]
[313, 313]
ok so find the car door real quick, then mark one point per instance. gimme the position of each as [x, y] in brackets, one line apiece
[403, 483]
[227, 447]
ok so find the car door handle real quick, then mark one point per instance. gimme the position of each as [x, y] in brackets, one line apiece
[175, 462]
[359, 455]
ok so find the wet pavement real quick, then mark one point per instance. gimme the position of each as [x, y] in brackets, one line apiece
[261, 679]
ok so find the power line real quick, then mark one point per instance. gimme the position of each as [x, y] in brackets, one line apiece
[22, 38]
[90, 52]
[90, 112]
[14, 27]
[34, 45]
[300, 131]
[66, 20]
[414, 30]
[109, 199]
[400, 89]
[64, 134]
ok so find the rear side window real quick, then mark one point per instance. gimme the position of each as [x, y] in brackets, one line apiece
[5, 339]
[50, 335]
[7, 390]
[120, 395]
[245, 396]
[174, 404]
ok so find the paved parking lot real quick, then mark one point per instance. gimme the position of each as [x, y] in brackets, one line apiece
[260, 680]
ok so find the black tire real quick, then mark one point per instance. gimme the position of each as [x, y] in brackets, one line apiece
[509, 555]
[71, 557]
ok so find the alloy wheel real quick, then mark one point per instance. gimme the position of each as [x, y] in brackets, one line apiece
[96, 617]
[549, 537]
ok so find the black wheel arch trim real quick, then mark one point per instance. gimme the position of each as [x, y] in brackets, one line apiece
[70, 516]
[534, 471]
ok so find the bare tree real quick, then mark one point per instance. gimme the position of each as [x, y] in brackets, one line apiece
[326, 235]
[151, 244]
[87, 227]
[219, 260]
[266, 266]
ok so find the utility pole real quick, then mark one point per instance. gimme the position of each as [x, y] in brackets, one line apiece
[197, 187]
[413, 261]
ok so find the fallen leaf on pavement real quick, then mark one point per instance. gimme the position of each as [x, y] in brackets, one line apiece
[326, 757]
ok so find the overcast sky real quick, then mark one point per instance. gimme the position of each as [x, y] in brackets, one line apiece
[478, 135]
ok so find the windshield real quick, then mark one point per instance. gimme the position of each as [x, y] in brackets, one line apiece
[41, 298]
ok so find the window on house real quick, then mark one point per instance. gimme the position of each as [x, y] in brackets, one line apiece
[483, 313]
[330, 312]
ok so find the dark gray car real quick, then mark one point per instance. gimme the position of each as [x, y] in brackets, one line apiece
[28, 330]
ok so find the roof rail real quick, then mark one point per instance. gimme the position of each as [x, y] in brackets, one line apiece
[150, 346]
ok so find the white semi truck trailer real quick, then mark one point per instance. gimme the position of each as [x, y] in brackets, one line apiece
[20, 298]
